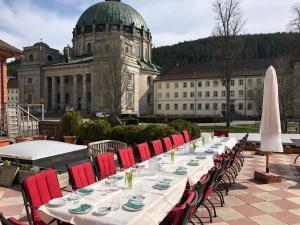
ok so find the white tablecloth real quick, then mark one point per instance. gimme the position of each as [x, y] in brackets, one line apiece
[157, 203]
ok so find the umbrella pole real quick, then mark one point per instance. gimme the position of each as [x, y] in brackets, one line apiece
[267, 162]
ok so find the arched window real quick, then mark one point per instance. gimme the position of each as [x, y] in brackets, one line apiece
[149, 98]
[149, 81]
[89, 49]
[31, 58]
[50, 58]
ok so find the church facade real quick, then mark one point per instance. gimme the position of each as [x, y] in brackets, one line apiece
[108, 68]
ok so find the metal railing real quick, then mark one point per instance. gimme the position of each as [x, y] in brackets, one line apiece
[28, 124]
[100, 147]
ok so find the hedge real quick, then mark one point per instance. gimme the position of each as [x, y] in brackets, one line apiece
[180, 125]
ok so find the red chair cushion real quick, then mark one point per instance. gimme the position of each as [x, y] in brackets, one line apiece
[126, 157]
[157, 147]
[168, 143]
[186, 136]
[14, 221]
[82, 175]
[221, 133]
[40, 189]
[106, 165]
[144, 151]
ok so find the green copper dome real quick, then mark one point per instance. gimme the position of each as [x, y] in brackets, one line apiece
[113, 12]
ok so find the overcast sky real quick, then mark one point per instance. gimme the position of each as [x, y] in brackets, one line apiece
[24, 22]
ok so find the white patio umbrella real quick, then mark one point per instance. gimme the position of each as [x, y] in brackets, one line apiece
[270, 127]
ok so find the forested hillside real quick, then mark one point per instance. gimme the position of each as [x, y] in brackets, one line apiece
[256, 46]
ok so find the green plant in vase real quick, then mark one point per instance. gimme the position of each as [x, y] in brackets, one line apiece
[212, 135]
[203, 140]
[129, 179]
[194, 146]
[172, 153]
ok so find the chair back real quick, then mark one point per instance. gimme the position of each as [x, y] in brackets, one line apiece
[168, 143]
[157, 147]
[186, 136]
[81, 174]
[220, 133]
[177, 139]
[209, 187]
[38, 190]
[126, 157]
[105, 165]
[10, 221]
[144, 151]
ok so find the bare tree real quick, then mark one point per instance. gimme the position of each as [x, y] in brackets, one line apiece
[287, 84]
[115, 76]
[294, 25]
[257, 97]
[229, 24]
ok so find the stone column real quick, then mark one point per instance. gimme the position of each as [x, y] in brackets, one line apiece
[84, 93]
[75, 95]
[62, 93]
[54, 106]
[46, 99]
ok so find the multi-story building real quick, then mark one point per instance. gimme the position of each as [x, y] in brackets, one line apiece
[199, 90]
[12, 92]
[109, 65]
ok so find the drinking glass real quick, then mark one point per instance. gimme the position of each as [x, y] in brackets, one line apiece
[115, 202]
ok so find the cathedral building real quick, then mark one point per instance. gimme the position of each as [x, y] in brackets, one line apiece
[107, 69]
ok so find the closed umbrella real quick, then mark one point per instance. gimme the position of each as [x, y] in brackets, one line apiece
[270, 121]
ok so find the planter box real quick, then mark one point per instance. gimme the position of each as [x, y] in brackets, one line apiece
[7, 175]
[23, 139]
[4, 142]
[39, 137]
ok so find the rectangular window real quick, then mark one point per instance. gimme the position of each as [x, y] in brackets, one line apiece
[184, 84]
[129, 100]
[199, 106]
[223, 83]
[159, 86]
[185, 94]
[130, 78]
[241, 93]
[12, 91]
[199, 83]
[159, 95]
[184, 106]
[259, 81]
[167, 85]
[241, 82]
[215, 94]
[199, 94]
[191, 106]
[223, 106]
[241, 106]
[207, 83]
[207, 94]
[215, 106]
[176, 95]
[223, 93]
[167, 106]
[29, 80]
[249, 106]
[175, 106]
[216, 83]
[232, 82]
[167, 95]
[250, 82]
[207, 106]
[250, 93]
[232, 93]
[192, 84]
[176, 85]
[192, 94]
[159, 106]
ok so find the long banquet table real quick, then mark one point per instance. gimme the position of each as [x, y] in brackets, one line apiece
[158, 203]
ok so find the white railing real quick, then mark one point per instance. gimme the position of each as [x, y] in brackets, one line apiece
[100, 147]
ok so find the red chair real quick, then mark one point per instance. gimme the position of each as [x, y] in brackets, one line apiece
[81, 174]
[221, 133]
[168, 143]
[177, 139]
[10, 221]
[186, 136]
[126, 157]
[157, 147]
[105, 164]
[144, 151]
[38, 190]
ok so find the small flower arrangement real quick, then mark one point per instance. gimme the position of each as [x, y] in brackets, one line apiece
[172, 153]
[129, 178]
[203, 140]
[212, 135]
[194, 146]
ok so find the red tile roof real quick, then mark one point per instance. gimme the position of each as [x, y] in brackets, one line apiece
[8, 47]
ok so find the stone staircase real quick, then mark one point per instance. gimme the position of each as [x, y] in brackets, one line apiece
[19, 122]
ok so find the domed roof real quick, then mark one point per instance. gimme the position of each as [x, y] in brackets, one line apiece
[113, 12]
[41, 44]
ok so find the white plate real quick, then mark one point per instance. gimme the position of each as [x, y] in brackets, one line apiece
[83, 212]
[103, 210]
[82, 194]
[56, 202]
[132, 209]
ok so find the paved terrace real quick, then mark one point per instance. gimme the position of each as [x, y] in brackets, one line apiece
[248, 203]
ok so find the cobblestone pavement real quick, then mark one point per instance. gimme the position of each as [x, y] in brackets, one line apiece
[247, 203]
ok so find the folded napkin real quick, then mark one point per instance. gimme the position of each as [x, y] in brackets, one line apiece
[134, 204]
[85, 191]
[82, 208]
[161, 184]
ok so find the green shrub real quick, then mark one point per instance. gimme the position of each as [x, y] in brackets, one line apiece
[84, 130]
[69, 123]
[129, 134]
[181, 125]
[98, 130]
[154, 132]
